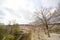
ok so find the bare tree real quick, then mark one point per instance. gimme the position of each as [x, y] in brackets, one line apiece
[46, 16]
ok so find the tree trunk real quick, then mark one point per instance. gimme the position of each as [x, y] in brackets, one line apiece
[47, 30]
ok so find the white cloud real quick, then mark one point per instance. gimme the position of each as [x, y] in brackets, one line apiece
[19, 10]
[19, 4]
[49, 3]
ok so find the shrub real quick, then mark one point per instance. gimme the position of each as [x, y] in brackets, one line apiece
[10, 37]
[2, 31]
[16, 28]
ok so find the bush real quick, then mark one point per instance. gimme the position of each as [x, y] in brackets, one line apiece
[10, 37]
[2, 31]
[16, 28]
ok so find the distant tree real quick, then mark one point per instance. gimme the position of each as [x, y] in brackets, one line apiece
[14, 28]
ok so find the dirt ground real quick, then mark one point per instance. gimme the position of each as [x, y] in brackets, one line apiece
[54, 36]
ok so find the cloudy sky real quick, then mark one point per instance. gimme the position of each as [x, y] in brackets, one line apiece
[22, 10]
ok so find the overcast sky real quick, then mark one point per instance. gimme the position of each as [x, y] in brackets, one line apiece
[22, 10]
